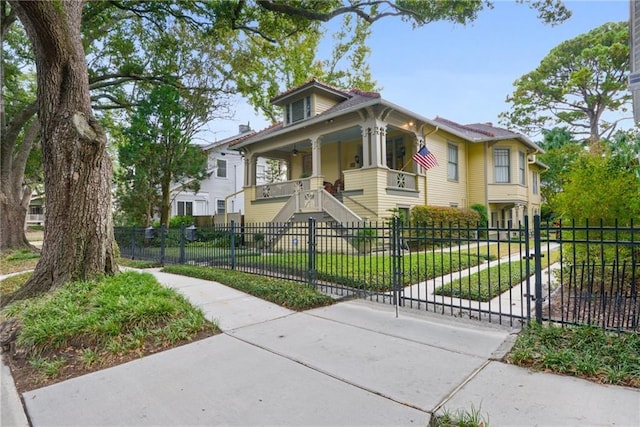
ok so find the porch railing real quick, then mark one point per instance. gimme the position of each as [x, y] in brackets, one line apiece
[400, 179]
[281, 189]
[35, 218]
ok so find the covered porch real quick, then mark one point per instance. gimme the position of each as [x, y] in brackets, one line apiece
[366, 168]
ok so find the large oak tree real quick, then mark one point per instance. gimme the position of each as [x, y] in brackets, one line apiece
[575, 85]
[78, 241]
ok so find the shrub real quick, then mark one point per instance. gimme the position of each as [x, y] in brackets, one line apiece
[439, 222]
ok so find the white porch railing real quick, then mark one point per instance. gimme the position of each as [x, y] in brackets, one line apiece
[400, 179]
[281, 189]
[35, 218]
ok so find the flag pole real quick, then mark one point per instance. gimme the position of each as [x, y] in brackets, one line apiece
[410, 159]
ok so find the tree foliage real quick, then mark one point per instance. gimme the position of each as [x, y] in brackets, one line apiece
[575, 85]
[66, 36]
[158, 157]
[600, 187]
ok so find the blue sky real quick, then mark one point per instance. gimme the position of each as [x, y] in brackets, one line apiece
[461, 73]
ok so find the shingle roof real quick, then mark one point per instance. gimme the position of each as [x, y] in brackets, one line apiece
[313, 82]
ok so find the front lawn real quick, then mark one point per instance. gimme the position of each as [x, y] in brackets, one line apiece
[487, 284]
[12, 261]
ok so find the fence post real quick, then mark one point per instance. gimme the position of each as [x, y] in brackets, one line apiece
[163, 243]
[233, 245]
[182, 254]
[311, 252]
[396, 253]
[133, 242]
[537, 247]
[527, 258]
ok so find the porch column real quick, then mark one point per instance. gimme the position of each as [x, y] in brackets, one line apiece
[366, 141]
[380, 141]
[250, 170]
[316, 143]
[374, 143]
[419, 142]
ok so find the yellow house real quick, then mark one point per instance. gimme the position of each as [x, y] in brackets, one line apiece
[349, 156]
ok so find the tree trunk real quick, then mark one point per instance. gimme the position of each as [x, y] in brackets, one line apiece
[14, 194]
[78, 235]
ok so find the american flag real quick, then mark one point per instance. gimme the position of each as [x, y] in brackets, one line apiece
[425, 158]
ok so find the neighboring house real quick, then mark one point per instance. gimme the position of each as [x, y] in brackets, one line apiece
[222, 192]
[350, 157]
[35, 214]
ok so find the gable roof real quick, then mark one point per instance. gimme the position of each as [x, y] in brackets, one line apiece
[313, 85]
[230, 140]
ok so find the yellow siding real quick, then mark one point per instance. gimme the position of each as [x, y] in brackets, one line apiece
[262, 211]
[440, 190]
[477, 180]
[329, 158]
[321, 104]
[367, 181]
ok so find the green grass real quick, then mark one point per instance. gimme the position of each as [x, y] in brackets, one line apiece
[373, 272]
[582, 351]
[369, 271]
[486, 284]
[138, 263]
[13, 261]
[13, 283]
[285, 293]
[491, 282]
[117, 315]
[459, 418]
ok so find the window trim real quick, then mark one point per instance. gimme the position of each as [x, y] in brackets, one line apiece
[306, 110]
[456, 164]
[218, 206]
[522, 168]
[218, 168]
[497, 150]
[184, 208]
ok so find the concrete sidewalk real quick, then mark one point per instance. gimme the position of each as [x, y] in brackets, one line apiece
[353, 363]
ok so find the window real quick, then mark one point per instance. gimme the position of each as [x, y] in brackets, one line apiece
[501, 165]
[220, 206]
[452, 165]
[521, 168]
[395, 153]
[260, 173]
[298, 110]
[534, 182]
[222, 168]
[307, 165]
[185, 208]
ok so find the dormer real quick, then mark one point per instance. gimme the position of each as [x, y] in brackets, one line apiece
[307, 100]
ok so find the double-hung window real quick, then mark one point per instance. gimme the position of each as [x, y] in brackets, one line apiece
[220, 206]
[522, 159]
[298, 110]
[222, 168]
[452, 162]
[534, 182]
[185, 208]
[501, 167]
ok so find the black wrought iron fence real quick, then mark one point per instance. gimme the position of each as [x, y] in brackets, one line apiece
[558, 272]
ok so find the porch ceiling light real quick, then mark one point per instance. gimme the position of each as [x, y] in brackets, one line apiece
[294, 152]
